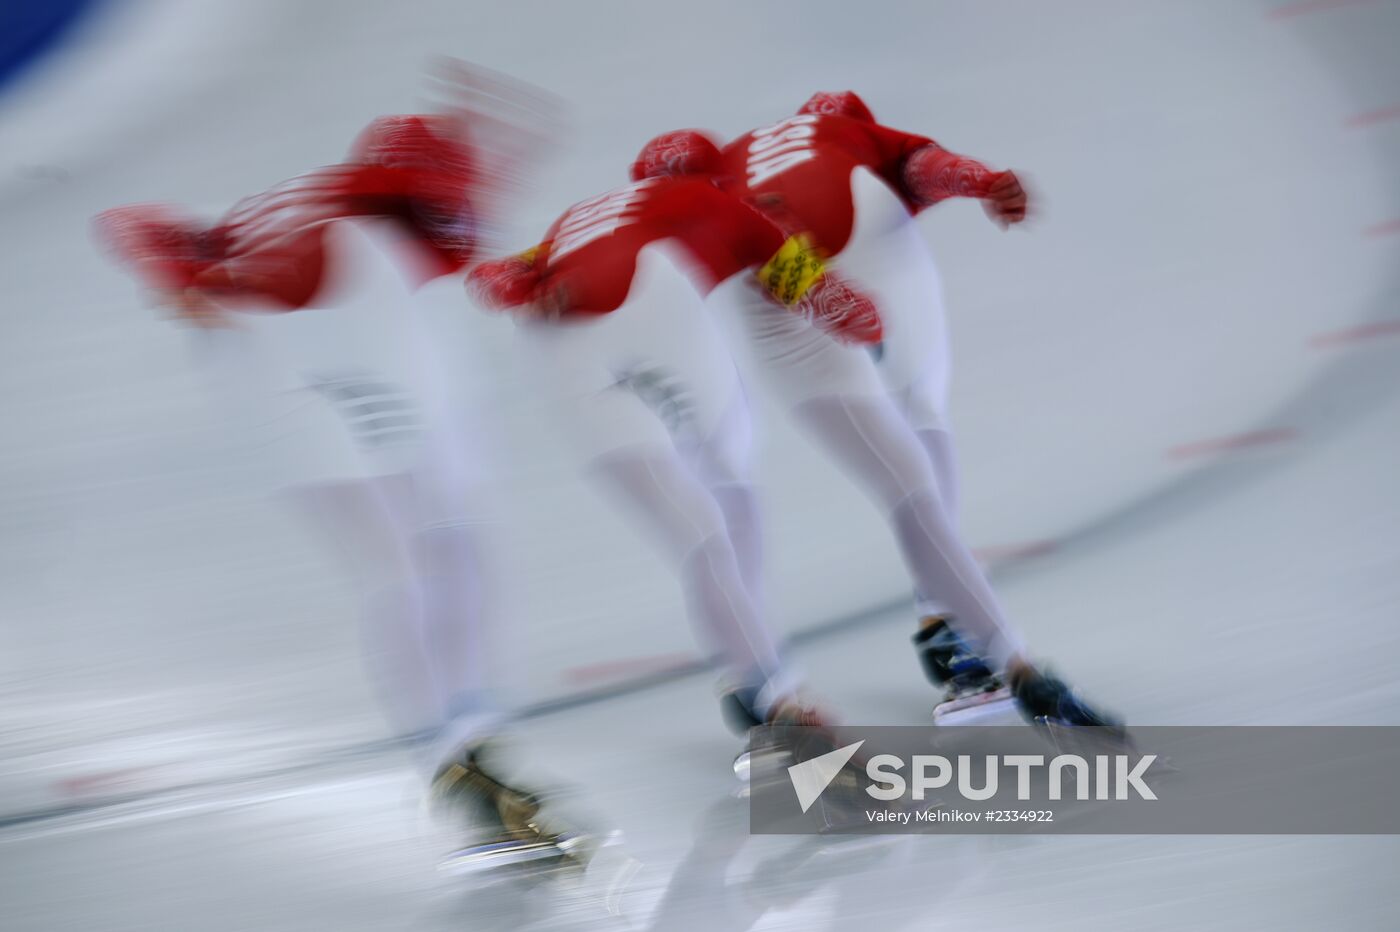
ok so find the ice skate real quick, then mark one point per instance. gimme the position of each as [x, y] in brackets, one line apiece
[1048, 703]
[515, 835]
[795, 732]
[804, 735]
[971, 691]
[738, 706]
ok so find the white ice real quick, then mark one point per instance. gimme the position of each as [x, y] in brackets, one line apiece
[187, 742]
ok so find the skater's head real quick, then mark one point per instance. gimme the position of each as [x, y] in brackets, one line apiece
[413, 141]
[679, 152]
[430, 150]
[839, 103]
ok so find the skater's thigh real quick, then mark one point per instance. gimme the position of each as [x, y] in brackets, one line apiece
[445, 485]
[663, 496]
[357, 522]
[724, 455]
[871, 442]
[678, 363]
[794, 360]
[653, 373]
[888, 258]
[589, 400]
[347, 425]
[913, 361]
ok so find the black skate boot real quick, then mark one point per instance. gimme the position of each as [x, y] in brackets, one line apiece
[1049, 703]
[738, 707]
[966, 680]
[795, 732]
[514, 832]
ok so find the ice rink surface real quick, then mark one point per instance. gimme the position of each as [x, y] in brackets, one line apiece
[1176, 395]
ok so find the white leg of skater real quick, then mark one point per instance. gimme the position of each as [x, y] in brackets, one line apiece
[358, 523]
[676, 510]
[724, 463]
[938, 444]
[445, 539]
[874, 445]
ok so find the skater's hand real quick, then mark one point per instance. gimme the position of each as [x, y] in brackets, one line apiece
[551, 301]
[160, 246]
[1006, 200]
[191, 306]
[846, 314]
[503, 284]
[797, 277]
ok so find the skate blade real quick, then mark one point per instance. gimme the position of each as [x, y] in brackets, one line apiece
[1085, 739]
[980, 709]
[1088, 741]
[766, 757]
[510, 856]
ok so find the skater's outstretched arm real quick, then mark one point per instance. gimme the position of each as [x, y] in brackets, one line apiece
[923, 171]
[931, 174]
[168, 252]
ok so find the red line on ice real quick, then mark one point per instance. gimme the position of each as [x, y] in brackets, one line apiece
[1374, 116]
[1310, 6]
[1384, 328]
[627, 666]
[1383, 229]
[1002, 553]
[99, 782]
[1253, 438]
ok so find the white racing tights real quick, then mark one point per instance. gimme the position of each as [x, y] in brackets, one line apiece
[426, 606]
[872, 443]
[696, 503]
